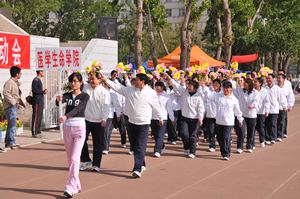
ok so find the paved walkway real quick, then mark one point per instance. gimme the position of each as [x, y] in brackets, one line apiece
[40, 171]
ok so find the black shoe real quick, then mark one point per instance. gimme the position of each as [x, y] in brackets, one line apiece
[67, 194]
[12, 146]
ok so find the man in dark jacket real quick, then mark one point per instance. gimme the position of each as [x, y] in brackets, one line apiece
[38, 104]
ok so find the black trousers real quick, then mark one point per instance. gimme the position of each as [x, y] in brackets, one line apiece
[211, 131]
[271, 127]
[260, 127]
[37, 117]
[128, 133]
[139, 137]
[188, 131]
[97, 132]
[224, 139]
[171, 129]
[121, 126]
[158, 133]
[281, 123]
[240, 134]
[250, 123]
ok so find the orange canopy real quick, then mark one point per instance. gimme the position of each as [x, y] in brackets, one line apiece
[198, 57]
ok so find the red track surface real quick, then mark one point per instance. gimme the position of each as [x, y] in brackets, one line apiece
[40, 171]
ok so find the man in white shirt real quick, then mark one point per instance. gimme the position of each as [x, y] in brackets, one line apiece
[290, 99]
[140, 101]
[277, 99]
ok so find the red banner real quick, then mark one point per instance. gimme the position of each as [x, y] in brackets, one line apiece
[245, 58]
[14, 50]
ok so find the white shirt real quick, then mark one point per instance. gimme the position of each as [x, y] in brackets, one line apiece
[175, 99]
[264, 102]
[226, 108]
[166, 107]
[115, 105]
[276, 98]
[210, 106]
[139, 104]
[246, 100]
[97, 108]
[191, 105]
[288, 93]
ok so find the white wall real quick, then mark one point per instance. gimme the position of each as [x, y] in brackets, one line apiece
[103, 51]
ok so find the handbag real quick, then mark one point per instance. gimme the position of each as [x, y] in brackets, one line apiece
[29, 99]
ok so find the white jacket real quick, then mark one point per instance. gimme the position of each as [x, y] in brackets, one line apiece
[277, 99]
[264, 102]
[246, 100]
[97, 108]
[191, 106]
[166, 107]
[227, 107]
[139, 104]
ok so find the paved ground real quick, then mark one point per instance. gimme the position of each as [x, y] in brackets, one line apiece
[39, 171]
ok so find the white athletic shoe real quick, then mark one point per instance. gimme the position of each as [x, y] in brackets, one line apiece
[143, 169]
[285, 136]
[211, 150]
[123, 146]
[3, 150]
[68, 194]
[225, 158]
[105, 152]
[84, 166]
[130, 152]
[250, 150]
[279, 140]
[273, 142]
[136, 174]
[156, 154]
[268, 143]
[262, 145]
[191, 156]
[96, 169]
[239, 151]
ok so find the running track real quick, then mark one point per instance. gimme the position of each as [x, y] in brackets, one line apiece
[40, 171]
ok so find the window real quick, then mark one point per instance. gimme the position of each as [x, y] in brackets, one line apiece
[169, 12]
[181, 12]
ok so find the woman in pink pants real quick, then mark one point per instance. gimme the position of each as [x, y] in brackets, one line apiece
[74, 130]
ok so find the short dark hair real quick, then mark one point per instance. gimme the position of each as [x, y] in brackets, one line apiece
[272, 75]
[260, 80]
[143, 77]
[78, 76]
[14, 70]
[193, 83]
[160, 84]
[227, 84]
[112, 72]
[218, 81]
[281, 75]
[38, 72]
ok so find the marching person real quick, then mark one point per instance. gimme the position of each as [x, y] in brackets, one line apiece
[262, 110]
[211, 113]
[227, 107]
[96, 114]
[38, 104]
[192, 114]
[11, 102]
[277, 100]
[166, 109]
[140, 101]
[248, 99]
[290, 99]
[74, 129]
[114, 107]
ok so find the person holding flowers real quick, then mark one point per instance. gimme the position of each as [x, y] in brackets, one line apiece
[96, 114]
[141, 101]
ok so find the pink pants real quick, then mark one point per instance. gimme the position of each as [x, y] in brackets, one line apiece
[74, 137]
